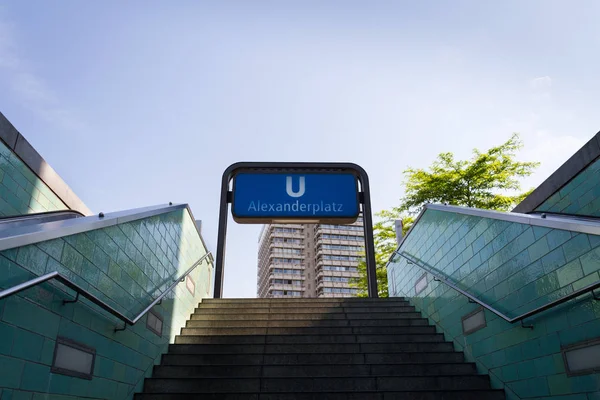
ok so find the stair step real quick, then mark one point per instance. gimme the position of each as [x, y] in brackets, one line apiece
[306, 300]
[324, 304]
[361, 330]
[305, 316]
[302, 310]
[289, 339]
[313, 349]
[292, 371]
[408, 395]
[294, 359]
[299, 384]
[311, 322]
[307, 348]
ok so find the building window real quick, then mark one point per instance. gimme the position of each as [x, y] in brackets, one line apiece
[421, 284]
[154, 322]
[73, 359]
[582, 358]
[190, 285]
[473, 321]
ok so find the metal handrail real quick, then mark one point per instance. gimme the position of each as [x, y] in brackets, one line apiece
[67, 282]
[439, 278]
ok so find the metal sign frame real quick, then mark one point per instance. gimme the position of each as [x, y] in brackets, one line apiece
[364, 197]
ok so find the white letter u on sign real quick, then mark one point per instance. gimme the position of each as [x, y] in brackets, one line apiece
[290, 191]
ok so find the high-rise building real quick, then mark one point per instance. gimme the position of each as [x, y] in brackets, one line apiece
[309, 260]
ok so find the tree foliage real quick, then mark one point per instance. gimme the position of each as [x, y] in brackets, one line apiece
[489, 180]
[384, 236]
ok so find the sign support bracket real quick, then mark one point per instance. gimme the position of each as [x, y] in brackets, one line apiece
[364, 200]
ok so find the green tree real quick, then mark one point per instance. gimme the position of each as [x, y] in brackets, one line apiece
[384, 236]
[489, 180]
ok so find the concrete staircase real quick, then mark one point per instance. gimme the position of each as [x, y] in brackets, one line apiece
[283, 349]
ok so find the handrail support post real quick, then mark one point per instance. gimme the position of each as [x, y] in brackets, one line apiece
[526, 326]
[71, 301]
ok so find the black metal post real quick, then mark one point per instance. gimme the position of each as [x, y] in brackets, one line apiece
[368, 229]
[222, 234]
[365, 200]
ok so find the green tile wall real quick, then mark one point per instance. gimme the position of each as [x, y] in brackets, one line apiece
[126, 266]
[21, 191]
[580, 196]
[515, 268]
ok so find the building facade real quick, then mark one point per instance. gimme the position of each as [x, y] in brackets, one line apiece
[309, 260]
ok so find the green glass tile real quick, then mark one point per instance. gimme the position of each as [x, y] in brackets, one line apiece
[546, 284]
[531, 350]
[586, 281]
[7, 333]
[10, 183]
[540, 231]
[33, 259]
[545, 366]
[534, 387]
[101, 260]
[53, 248]
[549, 344]
[572, 335]
[590, 261]
[556, 321]
[576, 247]
[90, 272]
[103, 367]
[30, 316]
[6, 394]
[538, 249]
[71, 259]
[117, 235]
[580, 313]
[107, 244]
[526, 369]
[22, 395]
[123, 390]
[36, 377]
[23, 195]
[585, 383]
[27, 345]
[509, 373]
[553, 260]
[11, 254]
[114, 271]
[85, 246]
[569, 273]
[82, 316]
[62, 384]
[48, 351]
[102, 388]
[594, 240]
[11, 370]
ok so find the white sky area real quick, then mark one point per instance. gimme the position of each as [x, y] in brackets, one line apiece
[140, 103]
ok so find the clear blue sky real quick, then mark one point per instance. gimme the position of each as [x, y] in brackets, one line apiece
[145, 102]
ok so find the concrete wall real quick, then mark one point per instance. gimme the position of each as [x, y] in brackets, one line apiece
[515, 268]
[21, 191]
[125, 265]
[579, 196]
[562, 177]
[24, 174]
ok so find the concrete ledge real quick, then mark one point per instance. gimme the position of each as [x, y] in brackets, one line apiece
[570, 169]
[25, 151]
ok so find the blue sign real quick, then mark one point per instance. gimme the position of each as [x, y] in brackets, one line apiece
[266, 197]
